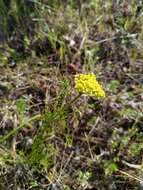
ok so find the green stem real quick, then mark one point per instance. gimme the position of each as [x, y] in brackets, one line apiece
[17, 129]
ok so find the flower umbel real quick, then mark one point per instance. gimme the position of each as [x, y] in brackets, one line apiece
[87, 84]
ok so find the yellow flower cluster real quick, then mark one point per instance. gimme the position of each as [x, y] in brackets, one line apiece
[87, 84]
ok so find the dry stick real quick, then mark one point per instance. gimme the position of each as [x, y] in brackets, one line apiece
[91, 140]
[114, 38]
[130, 76]
[131, 176]
[71, 155]
[14, 139]
[93, 128]
[89, 146]
[72, 101]
[132, 165]
[66, 164]
[92, 44]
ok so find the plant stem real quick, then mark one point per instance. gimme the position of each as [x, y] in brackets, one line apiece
[16, 130]
[72, 101]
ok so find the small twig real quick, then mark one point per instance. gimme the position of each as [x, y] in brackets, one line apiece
[93, 128]
[131, 176]
[91, 44]
[72, 101]
[91, 140]
[114, 38]
[130, 76]
[132, 165]
[14, 139]
[89, 146]
[66, 164]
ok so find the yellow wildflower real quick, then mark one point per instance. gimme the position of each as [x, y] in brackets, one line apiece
[87, 84]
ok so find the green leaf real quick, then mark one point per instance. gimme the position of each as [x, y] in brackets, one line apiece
[110, 167]
[21, 106]
[114, 84]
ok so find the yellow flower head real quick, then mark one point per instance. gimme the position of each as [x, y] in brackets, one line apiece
[87, 84]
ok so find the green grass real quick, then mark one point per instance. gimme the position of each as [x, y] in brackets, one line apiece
[47, 137]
